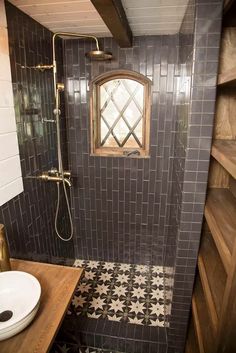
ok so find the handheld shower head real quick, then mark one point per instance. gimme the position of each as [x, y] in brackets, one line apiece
[99, 55]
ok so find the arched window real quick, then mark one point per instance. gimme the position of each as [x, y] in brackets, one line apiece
[120, 113]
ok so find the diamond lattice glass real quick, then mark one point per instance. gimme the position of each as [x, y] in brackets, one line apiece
[121, 111]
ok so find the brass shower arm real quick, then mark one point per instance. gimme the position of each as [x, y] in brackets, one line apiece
[65, 34]
[76, 35]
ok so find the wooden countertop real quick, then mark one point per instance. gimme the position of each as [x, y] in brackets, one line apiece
[57, 284]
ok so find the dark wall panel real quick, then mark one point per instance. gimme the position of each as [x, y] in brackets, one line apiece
[29, 217]
[121, 204]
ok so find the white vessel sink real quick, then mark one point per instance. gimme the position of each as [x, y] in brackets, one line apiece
[19, 301]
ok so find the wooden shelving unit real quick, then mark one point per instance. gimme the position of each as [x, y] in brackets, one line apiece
[214, 299]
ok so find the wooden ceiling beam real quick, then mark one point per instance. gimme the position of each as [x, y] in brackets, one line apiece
[113, 14]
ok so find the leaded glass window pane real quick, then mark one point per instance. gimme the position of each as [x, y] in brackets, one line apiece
[121, 109]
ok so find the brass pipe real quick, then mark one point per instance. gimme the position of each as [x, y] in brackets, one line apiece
[4, 251]
[62, 176]
[67, 173]
[60, 86]
[44, 67]
[38, 67]
[54, 63]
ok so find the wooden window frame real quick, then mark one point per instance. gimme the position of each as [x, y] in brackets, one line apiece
[95, 118]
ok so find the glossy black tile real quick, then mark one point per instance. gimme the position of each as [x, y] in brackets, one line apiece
[29, 217]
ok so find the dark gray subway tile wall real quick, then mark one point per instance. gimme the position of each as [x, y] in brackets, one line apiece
[29, 217]
[121, 205]
[195, 144]
[181, 124]
[125, 209]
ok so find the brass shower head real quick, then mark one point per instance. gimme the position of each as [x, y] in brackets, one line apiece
[99, 55]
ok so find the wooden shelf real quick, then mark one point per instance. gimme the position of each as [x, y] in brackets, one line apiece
[227, 78]
[224, 151]
[213, 268]
[220, 214]
[208, 294]
[191, 343]
[205, 334]
[197, 325]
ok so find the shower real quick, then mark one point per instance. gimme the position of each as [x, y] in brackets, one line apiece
[60, 175]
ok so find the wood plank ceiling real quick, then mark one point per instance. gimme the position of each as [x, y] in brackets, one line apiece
[146, 17]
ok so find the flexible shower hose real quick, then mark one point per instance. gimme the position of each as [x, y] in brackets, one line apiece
[61, 171]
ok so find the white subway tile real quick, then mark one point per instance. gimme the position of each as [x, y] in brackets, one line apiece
[10, 170]
[4, 48]
[7, 120]
[7, 192]
[11, 145]
[3, 20]
[5, 68]
[6, 94]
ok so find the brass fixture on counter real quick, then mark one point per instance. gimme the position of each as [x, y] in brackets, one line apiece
[4, 251]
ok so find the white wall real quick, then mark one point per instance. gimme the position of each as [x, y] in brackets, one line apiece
[10, 169]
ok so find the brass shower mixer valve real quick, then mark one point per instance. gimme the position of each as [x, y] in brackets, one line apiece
[54, 175]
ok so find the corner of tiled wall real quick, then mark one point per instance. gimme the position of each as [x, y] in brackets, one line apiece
[207, 32]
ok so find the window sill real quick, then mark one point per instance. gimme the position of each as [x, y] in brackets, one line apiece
[119, 155]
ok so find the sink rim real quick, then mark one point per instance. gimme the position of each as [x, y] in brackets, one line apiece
[17, 328]
[27, 311]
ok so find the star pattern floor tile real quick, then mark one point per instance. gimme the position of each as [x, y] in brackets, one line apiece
[138, 294]
[67, 348]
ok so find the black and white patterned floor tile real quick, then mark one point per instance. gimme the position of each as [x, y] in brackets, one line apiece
[67, 348]
[136, 294]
